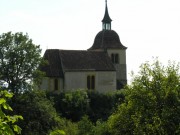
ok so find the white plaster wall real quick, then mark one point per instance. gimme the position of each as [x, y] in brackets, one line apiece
[104, 81]
[121, 71]
[48, 84]
[74, 80]
[121, 52]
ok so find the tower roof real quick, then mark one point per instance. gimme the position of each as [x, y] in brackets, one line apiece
[106, 18]
[107, 39]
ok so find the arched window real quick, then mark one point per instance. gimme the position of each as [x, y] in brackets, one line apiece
[115, 58]
[112, 58]
[91, 82]
[55, 84]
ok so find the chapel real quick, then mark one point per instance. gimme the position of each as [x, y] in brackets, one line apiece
[100, 68]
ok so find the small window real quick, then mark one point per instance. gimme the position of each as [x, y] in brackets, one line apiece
[104, 26]
[115, 58]
[108, 26]
[55, 84]
[112, 57]
[91, 82]
[88, 82]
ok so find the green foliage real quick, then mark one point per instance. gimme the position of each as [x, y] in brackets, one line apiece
[103, 104]
[19, 60]
[85, 126]
[7, 122]
[69, 127]
[71, 105]
[57, 132]
[152, 102]
[75, 104]
[85, 108]
[101, 128]
[39, 114]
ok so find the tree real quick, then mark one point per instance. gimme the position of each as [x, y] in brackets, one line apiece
[101, 128]
[85, 126]
[40, 117]
[152, 102]
[38, 112]
[19, 60]
[7, 122]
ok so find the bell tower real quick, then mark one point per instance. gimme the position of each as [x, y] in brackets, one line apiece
[108, 40]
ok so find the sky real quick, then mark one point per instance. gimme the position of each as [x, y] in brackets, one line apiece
[149, 28]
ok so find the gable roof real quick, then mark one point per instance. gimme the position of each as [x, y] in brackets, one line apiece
[61, 61]
[53, 68]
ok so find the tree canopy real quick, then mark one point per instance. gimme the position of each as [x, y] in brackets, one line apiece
[19, 60]
[152, 102]
[38, 112]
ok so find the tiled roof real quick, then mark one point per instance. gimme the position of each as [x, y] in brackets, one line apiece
[107, 39]
[53, 68]
[76, 60]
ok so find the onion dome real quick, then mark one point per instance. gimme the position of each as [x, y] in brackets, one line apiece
[107, 39]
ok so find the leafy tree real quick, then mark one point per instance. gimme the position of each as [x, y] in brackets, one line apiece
[152, 102]
[101, 128]
[19, 60]
[85, 126]
[38, 112]
[7, 122]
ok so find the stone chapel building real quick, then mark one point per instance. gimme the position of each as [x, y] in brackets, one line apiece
[101, 68]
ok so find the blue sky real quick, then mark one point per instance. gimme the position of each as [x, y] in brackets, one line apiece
[149, 28]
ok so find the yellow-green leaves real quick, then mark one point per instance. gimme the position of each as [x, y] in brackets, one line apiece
[7, 122]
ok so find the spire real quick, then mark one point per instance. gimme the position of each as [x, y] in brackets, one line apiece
[106, 22]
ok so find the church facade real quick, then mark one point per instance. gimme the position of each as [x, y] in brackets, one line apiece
[101, 68]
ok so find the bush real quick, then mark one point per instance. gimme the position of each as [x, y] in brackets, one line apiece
[102, 105]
